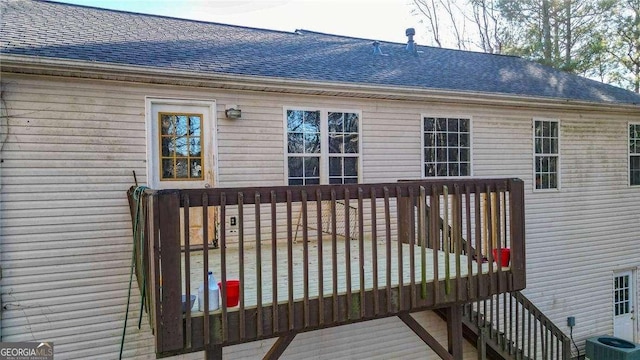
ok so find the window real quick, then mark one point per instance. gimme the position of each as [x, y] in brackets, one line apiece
[621, 294]
[322, 147]
[181, 140]
[546, 155]
[181, 155]
[446, 146]
[634, 154]
[343, 148]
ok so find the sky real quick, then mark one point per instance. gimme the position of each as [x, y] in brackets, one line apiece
[384, 20]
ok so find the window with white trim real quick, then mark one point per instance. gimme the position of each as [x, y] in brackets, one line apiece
[446, 148]
[634, 154]
[546, 154]
[323, 147]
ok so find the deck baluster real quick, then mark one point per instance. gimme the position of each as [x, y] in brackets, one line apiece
[467, 242]
[305, 257]
[412, 243]
[456, 237]
[320, 257]
[258, 235]
[387, 226]
[223, 266]
[423, 236]
[400, 243]
[347, 251]
[290, 261]
[205, 268]
[334, 256]
[274, 263]
[446, 245]
[374, 251]
[361, 252]
[434, 239]
[187, 271]
[241, 292]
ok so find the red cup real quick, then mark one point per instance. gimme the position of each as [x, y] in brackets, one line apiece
[233, 292]
[502, 258]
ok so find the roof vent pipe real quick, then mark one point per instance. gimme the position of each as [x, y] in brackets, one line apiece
[411, 45]
[376, 48]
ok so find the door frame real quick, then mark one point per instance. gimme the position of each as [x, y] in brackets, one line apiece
[151, 167]
[633, 296]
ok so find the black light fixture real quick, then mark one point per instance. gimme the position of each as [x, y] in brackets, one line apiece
[232, 112]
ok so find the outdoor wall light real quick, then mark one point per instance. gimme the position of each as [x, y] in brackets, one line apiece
[232, 112]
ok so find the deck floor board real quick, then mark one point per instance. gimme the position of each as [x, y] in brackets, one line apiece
[251, 268]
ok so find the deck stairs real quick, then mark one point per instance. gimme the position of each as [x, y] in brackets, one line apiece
[509, 327]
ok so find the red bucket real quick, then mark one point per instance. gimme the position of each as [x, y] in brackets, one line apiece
[502, 258]
[233, 292]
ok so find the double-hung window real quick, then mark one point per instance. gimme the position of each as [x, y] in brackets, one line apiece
[323, 147]
[634, 154]
[446, 146]
[546, 153]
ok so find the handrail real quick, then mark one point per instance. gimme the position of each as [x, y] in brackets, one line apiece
[516, 327]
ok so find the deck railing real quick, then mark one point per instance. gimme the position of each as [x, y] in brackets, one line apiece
[413, 246]
[516, 327]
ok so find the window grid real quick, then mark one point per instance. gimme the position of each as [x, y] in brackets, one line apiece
[181, 156]
[622, 296]
[546, 142]
[634, 154]
[343, 147]
[446, 146]
[322, 147]
[303, 147]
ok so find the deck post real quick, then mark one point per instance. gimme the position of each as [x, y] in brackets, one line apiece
[481, 345]
[517, 233]
[454, 331]
[214, 352]
[170, 323]
[566, 349]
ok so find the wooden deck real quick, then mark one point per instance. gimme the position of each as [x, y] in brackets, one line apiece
[414, 249]
[251, 269]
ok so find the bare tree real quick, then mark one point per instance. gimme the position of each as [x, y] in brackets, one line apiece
[596, 38]
[429, 9]
[488, 23]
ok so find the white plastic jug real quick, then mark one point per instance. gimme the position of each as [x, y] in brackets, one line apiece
[214, 294]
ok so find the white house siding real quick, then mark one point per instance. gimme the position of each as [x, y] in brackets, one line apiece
[577, 236]
[68, 160]
[73, 145]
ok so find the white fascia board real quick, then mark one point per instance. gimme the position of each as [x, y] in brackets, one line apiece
[109, 71]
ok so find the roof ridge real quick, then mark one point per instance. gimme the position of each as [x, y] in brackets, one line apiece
[295, 32]
[58, 2]
[383, 42]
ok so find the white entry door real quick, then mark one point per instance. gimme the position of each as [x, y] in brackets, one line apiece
[180, 154]
[180, 143]
[623, 305]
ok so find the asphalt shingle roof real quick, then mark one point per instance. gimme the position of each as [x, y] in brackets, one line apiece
[55, 30]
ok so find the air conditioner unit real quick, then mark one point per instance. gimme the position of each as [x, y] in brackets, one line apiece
[610, 348]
